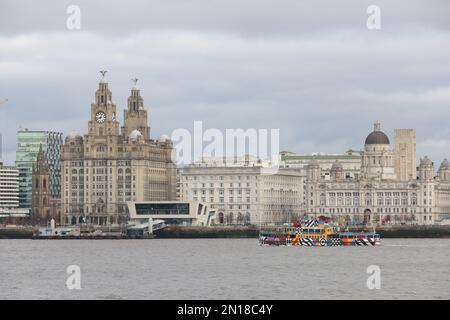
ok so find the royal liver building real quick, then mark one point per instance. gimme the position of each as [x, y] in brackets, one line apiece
[387, 189]
[110, 166]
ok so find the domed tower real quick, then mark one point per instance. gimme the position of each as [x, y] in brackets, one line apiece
[135, 136]
[313, 170]
[164, 139]
[337, 171]
[426, 169]
[377, 157]
[444, 171]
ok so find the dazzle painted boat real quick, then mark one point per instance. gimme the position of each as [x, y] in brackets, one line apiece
[316, 233]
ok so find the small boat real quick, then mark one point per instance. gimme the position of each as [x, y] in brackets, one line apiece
[316, 233]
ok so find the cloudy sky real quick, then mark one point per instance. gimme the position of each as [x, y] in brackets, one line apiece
[310, 68]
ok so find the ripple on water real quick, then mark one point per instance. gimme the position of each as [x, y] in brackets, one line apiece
[222, 269]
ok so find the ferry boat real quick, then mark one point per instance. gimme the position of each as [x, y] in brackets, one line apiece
[316, 233]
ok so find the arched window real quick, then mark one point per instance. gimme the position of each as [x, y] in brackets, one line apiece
[368, 199]
[322, 199]
[247, 218]
[44, 201]
[230, 218]
[45, 184]
[37, 183]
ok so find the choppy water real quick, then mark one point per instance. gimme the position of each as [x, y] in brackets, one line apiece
[222, 269]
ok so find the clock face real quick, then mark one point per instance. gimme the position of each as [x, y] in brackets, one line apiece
[100, 117]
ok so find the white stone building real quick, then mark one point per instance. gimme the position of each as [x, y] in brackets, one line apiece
[242, 192]
[358, 187]
[377, 196]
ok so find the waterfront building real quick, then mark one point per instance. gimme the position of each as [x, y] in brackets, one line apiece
[9, 187]
[405, 154]
[44, 206]
[171, 212]
[28, 145]
[242, 192]
[377, 196]
[10, 213]
[107, 167]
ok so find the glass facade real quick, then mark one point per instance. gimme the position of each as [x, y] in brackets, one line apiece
[28, 144]
[162, 208]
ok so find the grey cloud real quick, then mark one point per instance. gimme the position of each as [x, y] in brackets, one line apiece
[313, 70]
[249, 17]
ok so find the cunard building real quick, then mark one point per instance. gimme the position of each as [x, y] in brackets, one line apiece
[109, 166]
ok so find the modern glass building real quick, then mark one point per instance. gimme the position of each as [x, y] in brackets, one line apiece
[171, 212]
[28, 144]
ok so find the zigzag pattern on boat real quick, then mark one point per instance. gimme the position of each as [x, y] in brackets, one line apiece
[311, 223]
[315, 233]
[306, 242]
[361, 242]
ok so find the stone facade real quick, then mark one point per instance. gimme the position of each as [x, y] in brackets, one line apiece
[242, 193]
[358, 188]
[106, 168]
[44, 206]
[378, 197]
[405, 154]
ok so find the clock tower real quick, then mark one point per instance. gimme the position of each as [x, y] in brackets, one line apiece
[106, 169]
[102, 137]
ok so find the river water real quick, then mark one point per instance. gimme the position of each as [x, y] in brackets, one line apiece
[222, 269]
